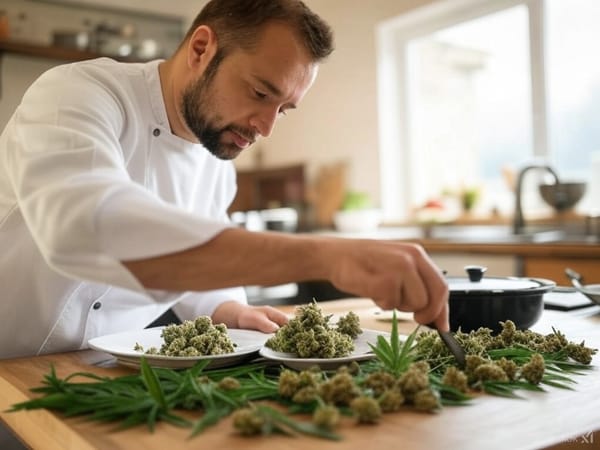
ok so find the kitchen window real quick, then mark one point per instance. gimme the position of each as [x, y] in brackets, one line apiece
[471, 90]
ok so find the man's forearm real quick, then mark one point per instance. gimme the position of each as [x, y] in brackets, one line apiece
[394, 274]
[235, 257]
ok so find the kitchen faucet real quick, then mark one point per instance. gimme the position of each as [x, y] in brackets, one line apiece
[518, 220]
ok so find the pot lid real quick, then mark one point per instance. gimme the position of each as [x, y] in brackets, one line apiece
[476, 283]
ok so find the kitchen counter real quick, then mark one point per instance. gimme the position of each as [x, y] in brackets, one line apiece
[484, 239]
[552, 249]
[541, 252]
[541, 420]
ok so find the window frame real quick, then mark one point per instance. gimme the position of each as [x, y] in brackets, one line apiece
[392, 36]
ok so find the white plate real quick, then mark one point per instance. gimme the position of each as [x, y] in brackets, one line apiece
[121, 346]
[361, 352]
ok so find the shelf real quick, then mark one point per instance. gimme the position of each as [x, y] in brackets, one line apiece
[51, 52]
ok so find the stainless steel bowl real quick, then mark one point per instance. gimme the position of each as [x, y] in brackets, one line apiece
[562, 196]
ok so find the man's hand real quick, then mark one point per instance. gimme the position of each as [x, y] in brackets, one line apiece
[394, 275]
[237, 315]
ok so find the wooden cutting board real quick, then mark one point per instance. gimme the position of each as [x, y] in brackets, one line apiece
[490, 423]
[327, 192]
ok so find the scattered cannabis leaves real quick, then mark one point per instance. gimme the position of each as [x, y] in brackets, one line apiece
[418, 373]
[154, 394]
[510, 361]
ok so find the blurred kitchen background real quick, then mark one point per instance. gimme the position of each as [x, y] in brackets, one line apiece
[432, 120]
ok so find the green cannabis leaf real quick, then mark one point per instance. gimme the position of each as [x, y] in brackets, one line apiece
[395, 356]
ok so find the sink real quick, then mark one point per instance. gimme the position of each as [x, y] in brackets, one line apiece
[491, 234]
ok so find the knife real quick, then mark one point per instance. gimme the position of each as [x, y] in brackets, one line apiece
[452, 344]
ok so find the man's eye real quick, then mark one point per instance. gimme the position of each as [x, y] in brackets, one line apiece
[260, 94]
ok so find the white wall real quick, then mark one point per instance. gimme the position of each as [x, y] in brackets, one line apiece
[337, 121]
[17, 73]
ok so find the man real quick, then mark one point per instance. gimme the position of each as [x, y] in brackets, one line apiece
[112, 210]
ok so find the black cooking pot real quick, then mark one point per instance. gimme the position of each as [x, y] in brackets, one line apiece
[477, 302]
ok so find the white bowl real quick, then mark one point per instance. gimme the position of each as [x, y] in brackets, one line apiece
[357, 220]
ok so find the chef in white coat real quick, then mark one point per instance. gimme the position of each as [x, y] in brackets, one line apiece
[115, 179]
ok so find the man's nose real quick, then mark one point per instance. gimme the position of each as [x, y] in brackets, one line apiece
[264, 121]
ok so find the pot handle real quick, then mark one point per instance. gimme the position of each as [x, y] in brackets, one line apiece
[575, 277]
[475, 273]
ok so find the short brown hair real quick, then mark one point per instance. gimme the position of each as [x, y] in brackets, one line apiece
[237, 23]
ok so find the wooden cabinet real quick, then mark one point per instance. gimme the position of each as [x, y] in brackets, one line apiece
[270, 188]
[554, 268]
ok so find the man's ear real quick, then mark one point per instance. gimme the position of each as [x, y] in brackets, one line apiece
[201, 47]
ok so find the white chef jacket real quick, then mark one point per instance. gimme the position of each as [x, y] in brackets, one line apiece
[90, 175]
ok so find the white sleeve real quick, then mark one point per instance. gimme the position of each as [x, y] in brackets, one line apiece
[204, 303]
[69, 174]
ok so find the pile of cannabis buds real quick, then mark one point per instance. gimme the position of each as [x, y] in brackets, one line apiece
[197, 337]
[417, 372]
[421, 375]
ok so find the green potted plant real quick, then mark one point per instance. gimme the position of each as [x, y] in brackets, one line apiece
[357, 213]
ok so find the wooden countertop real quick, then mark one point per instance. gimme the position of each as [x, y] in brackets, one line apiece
[550, 249]
[580, 248]
[542, 420]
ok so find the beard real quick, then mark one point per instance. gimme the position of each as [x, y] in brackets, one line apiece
[197, 103]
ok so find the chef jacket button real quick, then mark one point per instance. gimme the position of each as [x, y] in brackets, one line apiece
[97, 305]
[156, 132]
